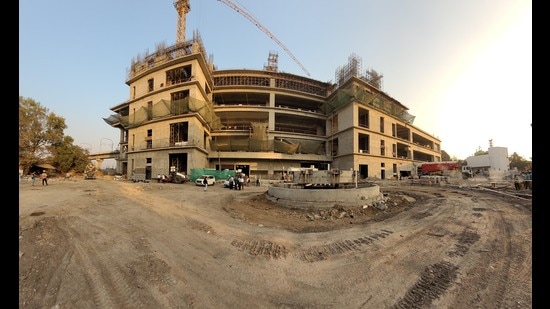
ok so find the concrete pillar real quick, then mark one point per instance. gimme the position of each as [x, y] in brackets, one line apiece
[99, 163]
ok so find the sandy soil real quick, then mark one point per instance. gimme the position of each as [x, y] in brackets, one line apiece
[115, 244]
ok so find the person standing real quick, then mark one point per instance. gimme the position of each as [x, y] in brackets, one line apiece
[205, 183]
[33, 177]
[231, 182]
[527, 181]
[241, 182]
[518, 182]
[44, 177]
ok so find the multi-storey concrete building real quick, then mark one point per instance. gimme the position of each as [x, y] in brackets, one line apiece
[184, 114]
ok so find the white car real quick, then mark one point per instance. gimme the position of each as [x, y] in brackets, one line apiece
[210, 179]
[227, 184]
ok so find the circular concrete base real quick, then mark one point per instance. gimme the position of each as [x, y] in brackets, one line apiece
[290, 195]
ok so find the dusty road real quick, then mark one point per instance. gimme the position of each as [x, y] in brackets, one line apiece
[113, 244]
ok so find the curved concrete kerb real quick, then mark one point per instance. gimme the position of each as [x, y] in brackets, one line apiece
[324, 198]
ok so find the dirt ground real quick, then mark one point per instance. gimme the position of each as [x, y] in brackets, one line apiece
[115, 244]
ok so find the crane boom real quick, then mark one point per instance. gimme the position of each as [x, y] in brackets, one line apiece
[264, 29]
[183, 7]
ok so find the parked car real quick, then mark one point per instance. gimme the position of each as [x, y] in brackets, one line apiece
[229, 182]
[210, 179]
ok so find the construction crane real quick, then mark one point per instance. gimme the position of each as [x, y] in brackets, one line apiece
[264, 29]
[183, 7]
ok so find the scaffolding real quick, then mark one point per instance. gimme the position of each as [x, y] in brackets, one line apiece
[351, 69]
[167, 108]
[369, 99]
[272, 62]
[374, 97]
[163, 54]
[263, 144]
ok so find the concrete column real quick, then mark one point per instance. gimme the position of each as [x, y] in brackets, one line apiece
[271, 121]
[99, 163]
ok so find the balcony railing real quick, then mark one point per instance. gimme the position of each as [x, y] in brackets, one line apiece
[162, 143]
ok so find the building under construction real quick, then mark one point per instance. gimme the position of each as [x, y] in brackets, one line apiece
[185, 114]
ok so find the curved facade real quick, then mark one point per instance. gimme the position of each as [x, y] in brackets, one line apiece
[184, 113]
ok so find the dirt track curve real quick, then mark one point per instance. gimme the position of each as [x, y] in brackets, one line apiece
[113, 244]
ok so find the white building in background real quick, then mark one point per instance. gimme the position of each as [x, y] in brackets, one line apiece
[494, 164]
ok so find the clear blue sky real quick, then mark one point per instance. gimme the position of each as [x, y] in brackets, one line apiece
[463, 68]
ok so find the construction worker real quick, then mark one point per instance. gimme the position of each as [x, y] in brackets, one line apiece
[44, 178]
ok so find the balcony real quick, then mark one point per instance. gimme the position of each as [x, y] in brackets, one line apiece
[151, 144]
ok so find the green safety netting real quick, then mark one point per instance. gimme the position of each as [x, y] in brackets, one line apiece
[220, 175]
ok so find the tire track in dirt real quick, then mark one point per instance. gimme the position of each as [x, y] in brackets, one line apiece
[146, 269]
[507, 270]
[109, 289]
[493, 269]
[146, 276]
[434, 281]
[43, 234]
[437, 278]
[312, 254]
[200, 226]
[263, 248]
[94, 254]
[517, 275]
[319, 253]
[465, 239]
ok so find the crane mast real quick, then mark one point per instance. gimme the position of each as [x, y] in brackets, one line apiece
[183, 7]
[264, 29]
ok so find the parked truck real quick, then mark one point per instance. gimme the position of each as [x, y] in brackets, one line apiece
[444, 168]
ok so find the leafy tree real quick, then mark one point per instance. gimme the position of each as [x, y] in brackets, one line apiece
[41, 136]
[67, 157]
[517, 161]
[445, 156]
[31, 126]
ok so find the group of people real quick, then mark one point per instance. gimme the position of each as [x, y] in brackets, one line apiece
[162, 178]
[238, 182]
[523, 181]
[43, 177]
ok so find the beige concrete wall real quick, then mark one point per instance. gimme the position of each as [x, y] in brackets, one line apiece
[324, 198]
[346, 118]
[159, 77]
[345, 130]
